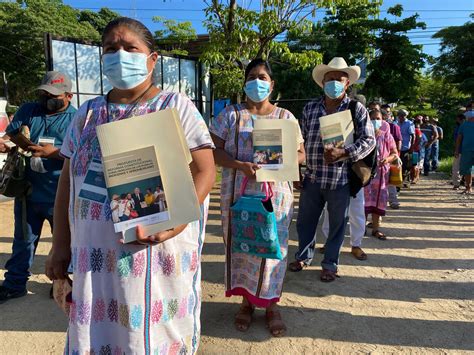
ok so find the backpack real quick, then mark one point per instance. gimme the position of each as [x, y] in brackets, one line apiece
[361, 172]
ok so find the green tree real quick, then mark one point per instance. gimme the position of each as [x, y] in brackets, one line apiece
[456, 62]
[436, 97]
[393, 70]
[23, 25]
[348, 32]
[238, 35]
[173, 35]
[99, 19]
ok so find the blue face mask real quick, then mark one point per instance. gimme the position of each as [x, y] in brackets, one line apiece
[377, 124]
[333, 89]
[469, 114]
[125, 70]
[257, 90]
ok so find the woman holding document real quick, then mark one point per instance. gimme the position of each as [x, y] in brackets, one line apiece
[142, 297]
[232, 135]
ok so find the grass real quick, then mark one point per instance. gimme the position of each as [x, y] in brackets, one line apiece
[445, 165]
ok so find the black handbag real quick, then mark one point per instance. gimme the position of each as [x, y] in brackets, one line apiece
[13, 182]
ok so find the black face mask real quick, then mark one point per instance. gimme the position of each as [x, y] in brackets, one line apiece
[50, 104]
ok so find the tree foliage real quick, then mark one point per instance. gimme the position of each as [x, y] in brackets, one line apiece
[347, 32]
[238, 35]
[99, 19]
[456, 62]
[23, 25]
[174, 35]
[397, 61]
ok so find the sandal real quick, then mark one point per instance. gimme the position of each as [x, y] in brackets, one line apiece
[328, 275]
[297, 266]
[379, 235]
[275, 323]
[243, 318]
[358, 253]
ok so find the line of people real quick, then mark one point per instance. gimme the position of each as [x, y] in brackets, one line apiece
[145, 297]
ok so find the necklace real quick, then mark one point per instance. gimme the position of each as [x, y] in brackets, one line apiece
[132, 108]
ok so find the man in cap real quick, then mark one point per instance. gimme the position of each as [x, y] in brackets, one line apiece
[47, 121]
[326, 176]
[407, 130]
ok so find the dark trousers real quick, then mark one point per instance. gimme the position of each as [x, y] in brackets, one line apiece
[24, 246]
[312, 201]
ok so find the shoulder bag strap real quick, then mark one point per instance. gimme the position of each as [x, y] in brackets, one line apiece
[236, 144]
[228, 242]
[281, 115]
[352, 108]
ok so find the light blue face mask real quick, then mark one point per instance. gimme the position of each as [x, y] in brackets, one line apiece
[257, 90]
[125, 70]
[333, 89]
[377, 124]
[469, 114]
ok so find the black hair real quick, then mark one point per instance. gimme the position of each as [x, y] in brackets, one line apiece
[374, 103]
[373, 112]
[461, 116]
[133, 25]
[122, 196]
[256, 63]
[385, 106]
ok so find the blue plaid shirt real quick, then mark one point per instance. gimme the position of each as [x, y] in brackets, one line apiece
[333, 176]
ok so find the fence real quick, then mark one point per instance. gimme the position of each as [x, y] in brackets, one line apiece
[81, 61]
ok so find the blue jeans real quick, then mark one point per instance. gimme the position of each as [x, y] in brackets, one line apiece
[435, 156]
[312, 201]
[426, 162]
[24, 247]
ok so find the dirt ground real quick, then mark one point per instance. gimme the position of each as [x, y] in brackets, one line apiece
[414, 294]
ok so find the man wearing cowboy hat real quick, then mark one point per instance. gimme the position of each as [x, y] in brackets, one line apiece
[326, 175]
[47, 121]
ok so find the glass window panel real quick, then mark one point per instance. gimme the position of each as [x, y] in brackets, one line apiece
[170, 74]
[157, 75]
[188, 78]
[88, 69]
[63, 60]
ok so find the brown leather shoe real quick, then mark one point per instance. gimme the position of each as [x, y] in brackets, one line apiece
[358, 253]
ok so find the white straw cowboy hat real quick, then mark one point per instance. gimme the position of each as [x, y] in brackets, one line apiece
[336, 64]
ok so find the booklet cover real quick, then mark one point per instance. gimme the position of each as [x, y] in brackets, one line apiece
[131, 179]
[147, 174]
[268, 148]
[275, 149]
[337, 129]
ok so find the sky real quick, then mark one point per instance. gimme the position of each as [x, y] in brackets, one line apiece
[437, 14]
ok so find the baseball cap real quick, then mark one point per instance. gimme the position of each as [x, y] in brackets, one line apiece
[56, 83]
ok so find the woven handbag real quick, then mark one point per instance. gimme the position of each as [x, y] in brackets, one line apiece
[396, 177]
[253, 224]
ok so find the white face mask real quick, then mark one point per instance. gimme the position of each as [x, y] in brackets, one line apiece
[126, 70]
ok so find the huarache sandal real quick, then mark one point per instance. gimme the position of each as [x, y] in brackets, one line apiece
[358, 253]
[379, 235]
[328, 275]
[243, 318]
[275, 323]
[297, 266]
